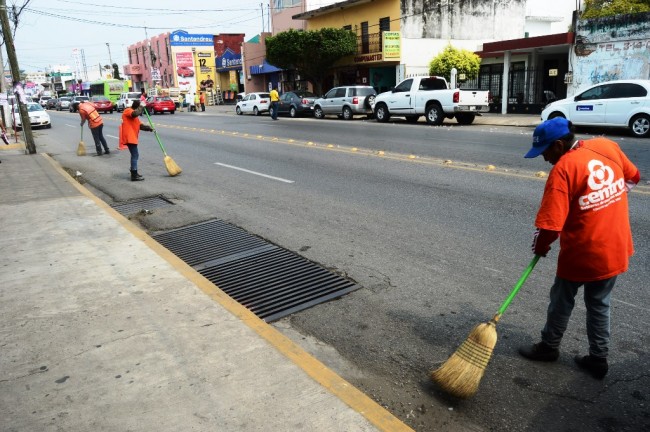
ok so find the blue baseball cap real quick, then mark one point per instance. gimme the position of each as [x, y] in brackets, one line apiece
[546, 133]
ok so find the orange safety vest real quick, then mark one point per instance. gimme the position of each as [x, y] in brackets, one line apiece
[88, 112]
[130, 127]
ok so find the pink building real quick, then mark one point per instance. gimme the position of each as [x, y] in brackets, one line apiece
[145, 57]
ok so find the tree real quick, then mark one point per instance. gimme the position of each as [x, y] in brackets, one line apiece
[116, 71]
[602, 8]
[465, 62]
[312, 53]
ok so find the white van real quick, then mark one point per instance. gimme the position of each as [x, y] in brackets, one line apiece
[126, 99]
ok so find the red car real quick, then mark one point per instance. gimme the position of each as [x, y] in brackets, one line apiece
[102, 104]
[185, 72]
[160, 104]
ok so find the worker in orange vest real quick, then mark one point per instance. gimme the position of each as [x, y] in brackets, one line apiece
[88, 112]
[131, 127]
[202, 101]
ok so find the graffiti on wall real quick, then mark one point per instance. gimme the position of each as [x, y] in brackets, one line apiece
[611, 48]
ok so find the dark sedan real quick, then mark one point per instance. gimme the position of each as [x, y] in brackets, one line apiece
[51, 103]
[296, 103]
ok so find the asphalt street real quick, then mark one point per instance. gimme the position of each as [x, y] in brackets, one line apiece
[434, 223]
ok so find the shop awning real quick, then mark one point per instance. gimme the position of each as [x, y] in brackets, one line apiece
[264, 68]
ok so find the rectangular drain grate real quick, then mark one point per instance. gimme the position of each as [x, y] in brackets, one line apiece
[143, 204]
[270, 281]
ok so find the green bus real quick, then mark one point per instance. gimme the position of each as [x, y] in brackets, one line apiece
[110, 88]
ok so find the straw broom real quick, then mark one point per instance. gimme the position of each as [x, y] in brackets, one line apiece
[81, 148]
[461, 374]
[171, 166]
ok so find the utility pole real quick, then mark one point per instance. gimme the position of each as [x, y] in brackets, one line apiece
[15, 74]
[109, 54]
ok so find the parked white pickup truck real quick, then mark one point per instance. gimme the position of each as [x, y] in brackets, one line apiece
[431, 97]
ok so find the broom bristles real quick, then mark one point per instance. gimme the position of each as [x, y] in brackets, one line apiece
[171, 166]
[461, 374]
[81, 149]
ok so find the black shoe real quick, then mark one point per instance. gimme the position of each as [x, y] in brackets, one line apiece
[107, 151]
[99, 153]
[540, 352]
[596, 366]
[135, 176]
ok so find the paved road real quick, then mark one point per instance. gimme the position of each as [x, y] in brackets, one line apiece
[436, 248]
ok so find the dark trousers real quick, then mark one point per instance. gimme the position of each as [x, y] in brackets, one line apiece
[135, 155]
[99, 139]
[202, 106]
[274, 110]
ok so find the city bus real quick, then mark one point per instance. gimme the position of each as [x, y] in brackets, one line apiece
[110, 88]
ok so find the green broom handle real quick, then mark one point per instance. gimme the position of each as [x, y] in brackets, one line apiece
[154, 131]
[516, 288]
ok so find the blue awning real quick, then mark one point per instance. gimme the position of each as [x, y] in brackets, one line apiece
[264, 68]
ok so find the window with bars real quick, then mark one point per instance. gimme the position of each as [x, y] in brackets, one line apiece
[365, 38]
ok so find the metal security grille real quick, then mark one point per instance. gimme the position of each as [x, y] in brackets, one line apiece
[143, 204]
[270, 281]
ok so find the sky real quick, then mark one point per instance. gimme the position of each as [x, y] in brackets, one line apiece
[49, 30]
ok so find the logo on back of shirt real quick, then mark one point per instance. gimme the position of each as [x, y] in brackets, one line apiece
[605, 188]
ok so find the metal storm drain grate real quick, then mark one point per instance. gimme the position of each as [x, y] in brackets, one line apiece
[143, 204]
[270, 281]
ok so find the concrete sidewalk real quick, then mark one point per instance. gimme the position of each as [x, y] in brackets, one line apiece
[103, 329]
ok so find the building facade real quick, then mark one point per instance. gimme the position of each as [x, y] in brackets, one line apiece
[377, 26]
[150, 63]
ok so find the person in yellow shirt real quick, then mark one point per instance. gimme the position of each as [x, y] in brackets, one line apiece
[275, 99]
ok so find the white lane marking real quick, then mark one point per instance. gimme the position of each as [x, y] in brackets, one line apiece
[631, 304]
[254, 172]
[73, 126]
[111, 136]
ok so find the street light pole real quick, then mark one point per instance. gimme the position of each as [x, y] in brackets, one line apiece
[109, 53]
[15, 74]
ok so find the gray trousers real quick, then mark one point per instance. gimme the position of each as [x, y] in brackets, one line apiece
[596, 296]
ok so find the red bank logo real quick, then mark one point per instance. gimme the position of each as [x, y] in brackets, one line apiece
[605, 189]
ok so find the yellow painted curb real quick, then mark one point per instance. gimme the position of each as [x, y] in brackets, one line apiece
[353, 397]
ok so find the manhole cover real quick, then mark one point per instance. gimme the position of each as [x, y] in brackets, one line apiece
[143, 204]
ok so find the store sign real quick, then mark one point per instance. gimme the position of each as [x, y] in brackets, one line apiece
[368, 58]
[183, 38]
[155, 74]
[392, 45]
[229, 61]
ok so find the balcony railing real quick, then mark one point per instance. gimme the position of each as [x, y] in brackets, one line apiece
[369, 43]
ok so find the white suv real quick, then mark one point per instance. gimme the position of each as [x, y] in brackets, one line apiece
[126, 99]
[623, 104]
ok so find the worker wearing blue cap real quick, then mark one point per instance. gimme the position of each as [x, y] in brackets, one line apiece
[585, 205]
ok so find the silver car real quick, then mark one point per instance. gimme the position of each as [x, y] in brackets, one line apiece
[346, 102]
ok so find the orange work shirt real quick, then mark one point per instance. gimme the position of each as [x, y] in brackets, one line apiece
[88, 112]
[130, 127]
[202, 98]
[585, 199]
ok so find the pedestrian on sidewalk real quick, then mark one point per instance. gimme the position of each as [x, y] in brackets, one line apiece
[189, 98]
[275, 101]
[585, 204]
[197, 101]
[131, 127]
[181, 100]
[202, 101]
[88, 112]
